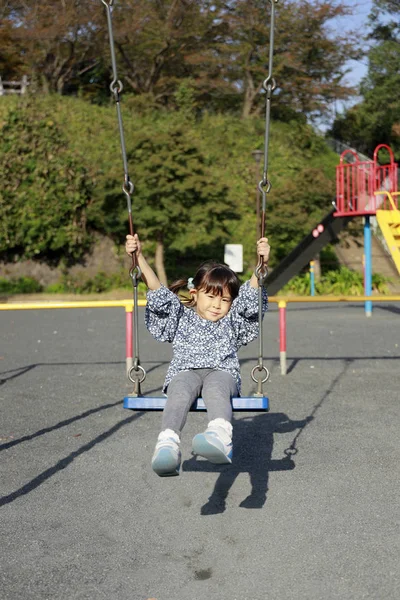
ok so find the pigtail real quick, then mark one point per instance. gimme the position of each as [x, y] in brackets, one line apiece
[176, 288]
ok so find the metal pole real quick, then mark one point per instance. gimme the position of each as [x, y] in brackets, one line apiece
[129, 335]
[257, 155]
[258, 201]
[282, 336]
[312, 278]
[367, 265]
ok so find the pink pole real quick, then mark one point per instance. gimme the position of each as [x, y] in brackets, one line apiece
[129, 353]
[282, 335]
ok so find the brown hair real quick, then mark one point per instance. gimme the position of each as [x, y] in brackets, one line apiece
[210, 277]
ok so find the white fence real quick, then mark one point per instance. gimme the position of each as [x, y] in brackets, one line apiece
[14, 87]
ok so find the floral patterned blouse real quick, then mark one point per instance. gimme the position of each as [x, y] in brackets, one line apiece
[199, 343]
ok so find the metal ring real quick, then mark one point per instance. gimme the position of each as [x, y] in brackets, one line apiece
[261, 271]
[135, 272]
[116, 87]
[108, 4]
[128, 188]
[269, 83]
[258, 369]
[265, 184]
[138, 369]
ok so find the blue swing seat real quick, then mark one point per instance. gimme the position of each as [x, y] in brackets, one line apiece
[245, 403]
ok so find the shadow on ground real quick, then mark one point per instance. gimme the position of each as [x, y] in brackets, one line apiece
[253, 441]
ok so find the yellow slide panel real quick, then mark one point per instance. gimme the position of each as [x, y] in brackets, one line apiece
[389, 222]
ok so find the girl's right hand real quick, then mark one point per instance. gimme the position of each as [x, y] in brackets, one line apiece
[133, 244]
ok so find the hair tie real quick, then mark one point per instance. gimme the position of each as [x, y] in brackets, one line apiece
[190, 284]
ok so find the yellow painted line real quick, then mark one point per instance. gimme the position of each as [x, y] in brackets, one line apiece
[55, 305]
[128, 304]
[334, 298]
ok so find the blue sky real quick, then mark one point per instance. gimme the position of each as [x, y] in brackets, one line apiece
[357, 21]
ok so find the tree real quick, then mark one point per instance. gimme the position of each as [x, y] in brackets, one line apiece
[11, 62]
[220, 46]
[376, 119]
[223, 47]
[195, 181]
[178, 203]
[56, 41]
[308, 60]
[162, 43]
[45, 192]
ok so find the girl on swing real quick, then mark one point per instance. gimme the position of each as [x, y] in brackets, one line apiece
[206, 333]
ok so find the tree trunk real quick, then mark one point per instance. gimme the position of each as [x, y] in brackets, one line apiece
[44, 84]
[159, 260]
[250, 94]
[60, 85]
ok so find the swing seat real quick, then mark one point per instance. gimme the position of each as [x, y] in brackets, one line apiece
[244, 403]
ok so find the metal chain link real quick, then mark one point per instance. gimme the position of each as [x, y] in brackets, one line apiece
[260, 373]
[269, 85]
[116, 88]
[136, 374]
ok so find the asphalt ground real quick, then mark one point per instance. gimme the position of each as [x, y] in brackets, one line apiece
[308, 510]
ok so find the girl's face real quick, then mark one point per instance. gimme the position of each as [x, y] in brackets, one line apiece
[210, 306]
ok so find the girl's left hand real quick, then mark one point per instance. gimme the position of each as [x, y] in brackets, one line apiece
[263, 249]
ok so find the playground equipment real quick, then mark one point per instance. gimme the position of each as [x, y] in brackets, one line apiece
[363, 188]
[305, 251]
[389, 222]
[358, 182]
[136, 372]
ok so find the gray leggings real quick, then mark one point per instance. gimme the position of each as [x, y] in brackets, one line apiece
[215, 387]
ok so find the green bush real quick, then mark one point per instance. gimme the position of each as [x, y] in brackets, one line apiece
[298, 286]
[45, 189]
[195, 181]
[338, 282]
[101, 282]
[20, 285]
[55, 288]
[379, 283]
[344, 281]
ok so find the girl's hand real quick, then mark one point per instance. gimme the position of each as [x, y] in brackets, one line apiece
[133, 245]
[263, 249]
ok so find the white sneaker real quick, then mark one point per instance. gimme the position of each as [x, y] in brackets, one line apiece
[167, 455]
[215, 444]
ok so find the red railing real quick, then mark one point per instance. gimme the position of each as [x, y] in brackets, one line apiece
[357, 181]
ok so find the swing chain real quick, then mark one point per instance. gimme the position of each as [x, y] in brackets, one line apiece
[269, 86]
[265, 185]
[260, 368]
[116, 88]
[136, 374]
[260, 373]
